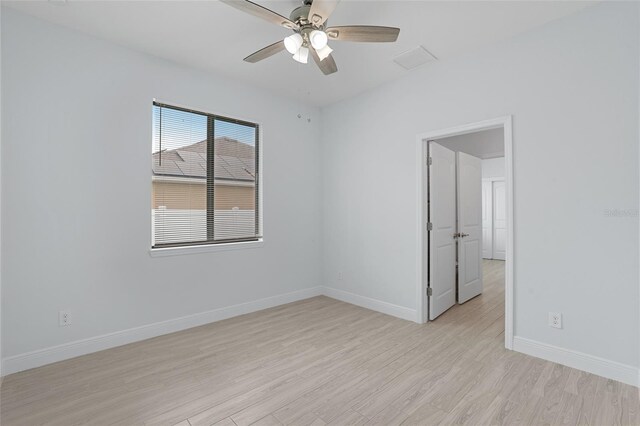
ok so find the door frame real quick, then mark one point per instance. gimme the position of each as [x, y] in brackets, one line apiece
[422, 239]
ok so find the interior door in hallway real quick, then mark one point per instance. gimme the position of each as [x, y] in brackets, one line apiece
[487, 219]
[442, 215]
[499, 225]
[469, 194]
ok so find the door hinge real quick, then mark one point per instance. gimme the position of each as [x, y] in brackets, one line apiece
[429, 291]
[429, 161]
[429, 226]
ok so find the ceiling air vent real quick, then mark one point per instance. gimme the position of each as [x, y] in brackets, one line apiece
[414, 58]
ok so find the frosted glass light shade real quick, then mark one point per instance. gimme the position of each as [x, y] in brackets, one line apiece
[324, 52]
[292, 43]
[318, 39]
[302, 55]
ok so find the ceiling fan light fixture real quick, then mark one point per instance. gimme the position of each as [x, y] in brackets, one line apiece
[310, 32]
[318, 39]
[302, 55]
[324, 52]
[293, 43]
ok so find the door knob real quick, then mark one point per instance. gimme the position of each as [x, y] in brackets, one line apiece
[462, 235]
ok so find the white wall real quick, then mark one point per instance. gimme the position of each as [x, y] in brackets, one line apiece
[77, 191]
[70, 167]
[572, 88]
[493, 168]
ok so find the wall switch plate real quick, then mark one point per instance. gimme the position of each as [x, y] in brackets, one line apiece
[64, 318]
[555, 320]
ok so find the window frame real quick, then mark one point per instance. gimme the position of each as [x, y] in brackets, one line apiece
[170, 249]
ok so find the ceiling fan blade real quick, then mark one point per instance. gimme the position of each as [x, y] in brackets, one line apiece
[265, 52]
[321, 10]
[261, 12]
[327, 65]
[363, 33]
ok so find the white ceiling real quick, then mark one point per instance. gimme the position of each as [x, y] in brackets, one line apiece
[483, 144]
[215, 37]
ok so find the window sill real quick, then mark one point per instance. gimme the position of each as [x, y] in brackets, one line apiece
[210, 248]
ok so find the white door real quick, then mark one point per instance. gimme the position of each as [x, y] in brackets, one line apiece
[499, 221]
[442, 215]
[487, 219]
[469, 226]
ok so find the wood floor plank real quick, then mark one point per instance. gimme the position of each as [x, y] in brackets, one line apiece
[322, 362]
[425, 414]
[269, 420]
[348, 418]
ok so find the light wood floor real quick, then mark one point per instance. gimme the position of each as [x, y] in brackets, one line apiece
[318, 362]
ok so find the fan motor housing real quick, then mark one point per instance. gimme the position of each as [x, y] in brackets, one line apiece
[300, 15]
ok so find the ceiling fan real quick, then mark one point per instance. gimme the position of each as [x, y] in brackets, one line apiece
[311, 36]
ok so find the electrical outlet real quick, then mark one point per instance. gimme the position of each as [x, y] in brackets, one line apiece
[555, 320]
[64, 318]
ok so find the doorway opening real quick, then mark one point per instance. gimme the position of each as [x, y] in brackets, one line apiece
[466, 218]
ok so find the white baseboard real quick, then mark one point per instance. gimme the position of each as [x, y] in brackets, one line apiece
[53, 354]
[592, 364]
[589, 363]
[37, 358]
[373, 304]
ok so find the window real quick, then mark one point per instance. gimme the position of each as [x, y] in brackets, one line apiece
[204, 178]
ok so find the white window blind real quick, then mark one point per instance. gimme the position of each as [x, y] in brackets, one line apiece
[204, 178]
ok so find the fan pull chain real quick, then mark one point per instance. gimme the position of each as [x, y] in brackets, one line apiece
[300, 95]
